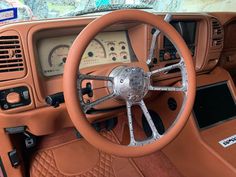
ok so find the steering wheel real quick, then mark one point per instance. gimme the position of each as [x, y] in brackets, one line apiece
[129, 83]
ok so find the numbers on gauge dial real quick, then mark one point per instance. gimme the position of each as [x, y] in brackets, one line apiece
[57, 56]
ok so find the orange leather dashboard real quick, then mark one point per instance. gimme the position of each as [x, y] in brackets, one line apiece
[205, 57]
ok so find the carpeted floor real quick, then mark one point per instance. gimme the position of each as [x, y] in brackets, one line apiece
[63, 155]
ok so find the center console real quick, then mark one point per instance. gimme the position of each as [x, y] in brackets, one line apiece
[206, 146]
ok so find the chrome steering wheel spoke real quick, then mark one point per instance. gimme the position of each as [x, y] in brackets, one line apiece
[169, 89]
[167, 18]
[180, 65]
[82, 77]
[148, 117]
[155, 135]
[89, 105]
[166, 69]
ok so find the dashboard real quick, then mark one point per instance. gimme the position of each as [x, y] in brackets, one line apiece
[41, 49]
[106, 47]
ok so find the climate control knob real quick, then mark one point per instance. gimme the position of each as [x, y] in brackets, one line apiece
[167, 56]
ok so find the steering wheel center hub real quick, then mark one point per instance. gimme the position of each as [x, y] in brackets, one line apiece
[130, 83]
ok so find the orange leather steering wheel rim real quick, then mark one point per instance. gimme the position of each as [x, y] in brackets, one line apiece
[70, 87]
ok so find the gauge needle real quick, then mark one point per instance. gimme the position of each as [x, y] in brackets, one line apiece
[60, 64]
[63, 61]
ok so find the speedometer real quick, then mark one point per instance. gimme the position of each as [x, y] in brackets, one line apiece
[95, 50]
[94, 54]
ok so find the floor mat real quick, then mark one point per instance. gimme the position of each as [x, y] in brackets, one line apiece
[77, 158]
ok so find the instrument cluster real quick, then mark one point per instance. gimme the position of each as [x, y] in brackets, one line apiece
[106, 47]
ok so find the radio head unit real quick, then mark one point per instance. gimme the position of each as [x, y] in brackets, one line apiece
[187, 29]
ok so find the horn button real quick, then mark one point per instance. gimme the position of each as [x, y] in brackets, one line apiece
[130, 83]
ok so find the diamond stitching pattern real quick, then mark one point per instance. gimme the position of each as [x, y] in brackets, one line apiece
[44, 164]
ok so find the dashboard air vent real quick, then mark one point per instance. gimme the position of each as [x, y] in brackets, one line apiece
[217, 33]
[217, 29]
[11, 58]
[217, 42]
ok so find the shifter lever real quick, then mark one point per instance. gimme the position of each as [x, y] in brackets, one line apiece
[167, 18]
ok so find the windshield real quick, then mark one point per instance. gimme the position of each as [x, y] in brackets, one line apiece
[27, 10]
